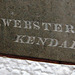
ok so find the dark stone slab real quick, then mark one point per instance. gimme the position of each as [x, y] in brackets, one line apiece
[38, 28]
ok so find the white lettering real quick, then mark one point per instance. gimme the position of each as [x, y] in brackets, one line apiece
[46, 26]
[69, 28]
[20, 38]
[54, 42]
[73, 45]
[36, 25]
[64, 44]
[40, 40]
[30, 40]
[17, 23]
[6, 21]
[58, 27]
[28, 25]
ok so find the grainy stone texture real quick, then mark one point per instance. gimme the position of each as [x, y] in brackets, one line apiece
[55, 42]
[25, 67]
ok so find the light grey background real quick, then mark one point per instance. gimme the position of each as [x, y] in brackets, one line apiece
[10, 66]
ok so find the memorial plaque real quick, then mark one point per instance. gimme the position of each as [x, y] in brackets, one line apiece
[38, 28]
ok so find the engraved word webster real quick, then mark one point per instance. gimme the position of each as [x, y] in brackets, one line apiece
[43, 27]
